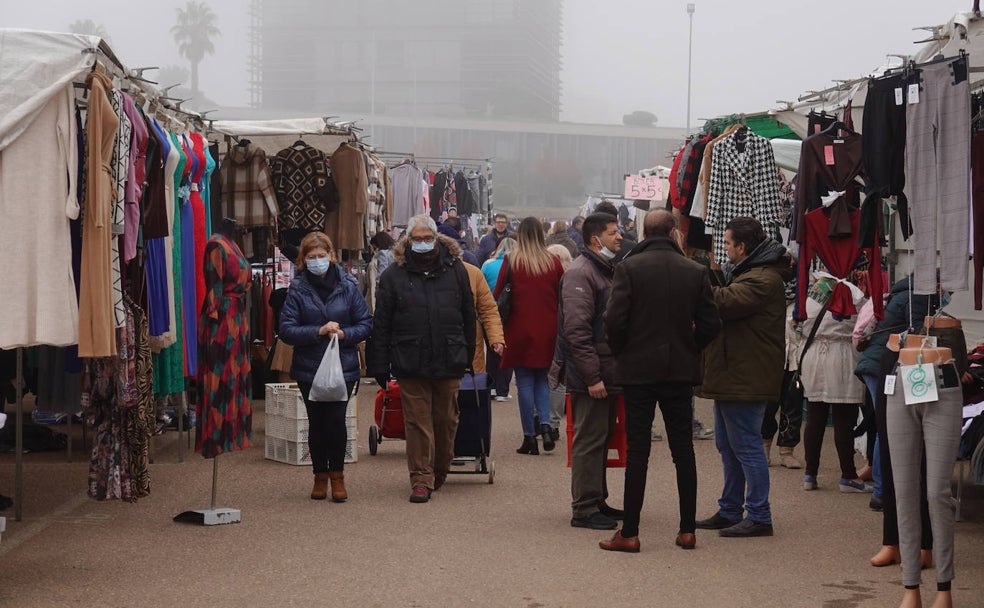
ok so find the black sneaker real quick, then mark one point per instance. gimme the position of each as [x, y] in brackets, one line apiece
[617, 514]
[747, 528]
[875, 504]
[716, 522]
[595, 521]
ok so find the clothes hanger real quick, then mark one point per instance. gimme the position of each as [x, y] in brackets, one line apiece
[836, 126]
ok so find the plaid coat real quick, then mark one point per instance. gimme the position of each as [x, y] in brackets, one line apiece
[742, 185]
[247, 195]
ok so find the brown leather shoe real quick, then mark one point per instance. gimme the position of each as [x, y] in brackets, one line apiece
[886, 556]
[686, 540]
[320, 491]
[338, 492]
[926, 558]
[620, 543]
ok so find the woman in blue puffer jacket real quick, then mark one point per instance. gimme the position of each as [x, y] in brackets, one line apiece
[324, 302]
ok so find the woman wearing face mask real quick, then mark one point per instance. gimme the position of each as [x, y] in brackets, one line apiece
[531, 330]
[324, 302]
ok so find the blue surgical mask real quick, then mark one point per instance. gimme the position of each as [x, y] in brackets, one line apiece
[318, 266]
[422, 247]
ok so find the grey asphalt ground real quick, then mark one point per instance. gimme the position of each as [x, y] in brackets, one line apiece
[474, 544]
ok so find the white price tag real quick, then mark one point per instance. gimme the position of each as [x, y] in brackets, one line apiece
[913, 93]
[898, 97]
[890, 385]
[919, 383]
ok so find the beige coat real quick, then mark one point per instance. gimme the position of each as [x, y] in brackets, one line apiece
[97, 328]
[346, 226]
[488, 317]
[828, 366]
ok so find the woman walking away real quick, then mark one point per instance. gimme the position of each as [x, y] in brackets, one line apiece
[324, 302]
[501, 376]
[531, 330]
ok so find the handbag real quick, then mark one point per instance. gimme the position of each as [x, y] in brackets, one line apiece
[504, 301]
[329, 381]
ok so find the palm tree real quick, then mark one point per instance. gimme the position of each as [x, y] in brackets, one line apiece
[193, 34]
[88, 27]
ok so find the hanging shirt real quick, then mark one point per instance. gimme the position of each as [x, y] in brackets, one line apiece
[827, 168]
[407, 193]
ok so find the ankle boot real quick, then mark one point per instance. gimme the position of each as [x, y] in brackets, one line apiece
[926, 558]
[529, 446]
[338, 493]
[767, 446]
[547, 435]
[320, 491]
[788, 460]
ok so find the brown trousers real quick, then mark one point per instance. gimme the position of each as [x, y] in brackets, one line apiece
[430, 414]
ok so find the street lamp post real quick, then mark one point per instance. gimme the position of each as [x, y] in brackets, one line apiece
[690, 62]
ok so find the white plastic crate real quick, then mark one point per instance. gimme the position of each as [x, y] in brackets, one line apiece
[351, 428]
[298, 453]
[285, 400]
[272, 396]
[276, 449]
[351, 411]
[291, 429]
[351, 450]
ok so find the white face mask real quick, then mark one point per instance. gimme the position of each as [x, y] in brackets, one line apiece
[318, 266]
[607, 253]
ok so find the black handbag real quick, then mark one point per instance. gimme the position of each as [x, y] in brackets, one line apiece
[504, 301]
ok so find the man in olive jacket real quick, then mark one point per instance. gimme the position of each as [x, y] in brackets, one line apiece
[743, 370]
[660, 315]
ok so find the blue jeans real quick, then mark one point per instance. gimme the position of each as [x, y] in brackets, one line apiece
[534, 391]
[738, 436]
[872, 383]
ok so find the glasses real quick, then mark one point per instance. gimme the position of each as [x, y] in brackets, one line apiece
[422, 239]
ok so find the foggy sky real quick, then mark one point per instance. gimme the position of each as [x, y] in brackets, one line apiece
[618, 56]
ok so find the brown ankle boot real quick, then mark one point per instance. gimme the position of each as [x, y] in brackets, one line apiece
[320, 491]
[338, 493]
[886, 556]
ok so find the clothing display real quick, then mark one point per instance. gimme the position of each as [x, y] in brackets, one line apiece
[743, 183]
[247, 192]
[35, 240]
[938, 172]
[224, 409]
[884, 136]
[345, 225]
[120, 169]
[299, 176]
[407, 192]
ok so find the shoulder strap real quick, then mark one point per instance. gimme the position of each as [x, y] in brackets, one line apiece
[505, 260]
[813, 332]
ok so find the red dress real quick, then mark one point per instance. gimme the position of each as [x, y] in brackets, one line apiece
[198, 209]
[532, 327]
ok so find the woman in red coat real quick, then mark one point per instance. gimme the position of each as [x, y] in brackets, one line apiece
[531, 329]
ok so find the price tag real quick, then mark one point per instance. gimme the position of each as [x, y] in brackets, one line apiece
[828, 155]
[890, 385]
[913, 93]
[919, 383]
[898, 97]
[643, 188]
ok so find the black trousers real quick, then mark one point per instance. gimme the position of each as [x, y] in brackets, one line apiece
[790, 410]
[675, 403]
[326, 434]
[844, 416]
[883, 139]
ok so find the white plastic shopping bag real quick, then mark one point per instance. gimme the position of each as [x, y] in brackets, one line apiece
[329, 381]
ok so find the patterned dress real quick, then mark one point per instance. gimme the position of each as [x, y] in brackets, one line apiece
[224, 411]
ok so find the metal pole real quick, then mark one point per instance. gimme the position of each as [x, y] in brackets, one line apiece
[19, 441]
[215, 477]
[690, 62]
[372, 88]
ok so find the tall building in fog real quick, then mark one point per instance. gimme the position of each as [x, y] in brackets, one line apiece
[496, 59]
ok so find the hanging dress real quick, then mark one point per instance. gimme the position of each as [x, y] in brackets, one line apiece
[120, 167]
[155, 232]
[206, 187]
[224, 408]
[198, 211]
[189, 308]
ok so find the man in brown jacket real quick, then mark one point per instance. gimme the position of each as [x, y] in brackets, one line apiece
[660, 315]
[743, 371]
[583, 361]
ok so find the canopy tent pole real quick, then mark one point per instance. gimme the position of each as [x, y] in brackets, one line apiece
[19, 440]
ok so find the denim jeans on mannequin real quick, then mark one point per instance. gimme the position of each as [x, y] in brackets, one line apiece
[534, 395]
[738, 436]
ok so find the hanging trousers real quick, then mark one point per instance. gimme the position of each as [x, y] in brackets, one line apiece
[935, 425]
[883, 139]
[938, 170]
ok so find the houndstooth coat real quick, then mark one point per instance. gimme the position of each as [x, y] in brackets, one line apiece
[742, 185]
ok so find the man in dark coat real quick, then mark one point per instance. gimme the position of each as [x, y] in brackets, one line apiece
[743, 370]
[660, 315]
[583, 362]
[490, 242]
[424, 335]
